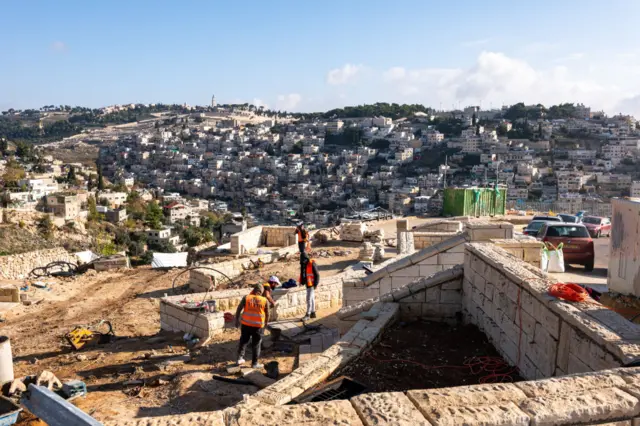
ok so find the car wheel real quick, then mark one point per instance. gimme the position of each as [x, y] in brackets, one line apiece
[588, 267]
[597, 234]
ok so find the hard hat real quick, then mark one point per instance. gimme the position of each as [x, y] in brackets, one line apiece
[274, 279]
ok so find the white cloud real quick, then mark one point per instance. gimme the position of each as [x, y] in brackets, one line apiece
[58, 46]
[288, 102]
[395, 73]
[338, 76]
[571, 57]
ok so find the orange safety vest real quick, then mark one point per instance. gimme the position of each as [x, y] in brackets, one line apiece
[254, 311]
[300, 237]
[309, 273]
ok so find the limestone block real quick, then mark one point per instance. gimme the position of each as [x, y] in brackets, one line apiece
[570, 384]
[581, 408]
[450, 258]
[466, 396]
[450, 296]
[392, 408]
[485, 415]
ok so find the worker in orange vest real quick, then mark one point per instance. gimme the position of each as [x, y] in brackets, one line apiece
[303, 237]
[251, 317]
[310, 278]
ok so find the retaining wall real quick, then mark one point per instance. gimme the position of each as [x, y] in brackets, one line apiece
[279, 236]
[290, 303]
[426, 239]
[202, 280]
[248, 241]
[18, 266]
[440, 226]
[543, 336]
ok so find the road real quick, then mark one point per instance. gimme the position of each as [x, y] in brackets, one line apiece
[597, 279]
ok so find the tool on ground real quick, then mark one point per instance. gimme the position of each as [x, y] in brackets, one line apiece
[80, 336]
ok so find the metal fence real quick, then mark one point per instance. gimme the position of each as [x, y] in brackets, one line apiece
[571, 207]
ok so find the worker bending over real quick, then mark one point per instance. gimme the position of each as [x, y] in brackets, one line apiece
[310, 278]
[251, 317]
[303, 237]
[269, 287]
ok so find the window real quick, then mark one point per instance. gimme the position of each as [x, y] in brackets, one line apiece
[567, 231]
[593, 220]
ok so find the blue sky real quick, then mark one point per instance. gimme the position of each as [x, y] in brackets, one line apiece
[311, 55]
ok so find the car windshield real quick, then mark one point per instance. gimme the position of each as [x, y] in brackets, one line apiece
[568, 218]
[534, 226]
[568, 231]
[593, 220]
[548, 218]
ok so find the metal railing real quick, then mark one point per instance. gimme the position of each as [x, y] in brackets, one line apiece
[571, 207]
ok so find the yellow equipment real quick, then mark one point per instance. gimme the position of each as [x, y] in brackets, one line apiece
[83, 335]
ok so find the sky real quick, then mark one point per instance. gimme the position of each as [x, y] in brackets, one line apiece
[307, 55]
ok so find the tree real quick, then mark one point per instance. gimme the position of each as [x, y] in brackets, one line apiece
[45, 225]
[516, 111]
[4, 146]
[93, 210]
[71, 176]
[100, 179]
[13, 172]
[474, 119]
[153, 216]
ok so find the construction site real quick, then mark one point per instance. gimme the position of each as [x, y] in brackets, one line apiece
[419, 322]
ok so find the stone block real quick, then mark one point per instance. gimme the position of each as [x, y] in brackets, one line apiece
[432, 295]
[393, 408]
[447, 258]
[570, 384]
[466, 396]
[410, 310]
[486, 415]
[576, 366]
[450, 296]
[452, 285]
[581, 408]
[317, 413]
[427, 270]
[400, 281]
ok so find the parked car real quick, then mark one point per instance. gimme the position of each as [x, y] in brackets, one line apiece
[547, 218]
[597, 226]
[533, 227]
[577, 243]
[568, 218]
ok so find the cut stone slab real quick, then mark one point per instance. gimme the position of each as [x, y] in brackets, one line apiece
[314, 413]
[570, 384]
[581, 408]
[392, 408]
[288, 329]
[465, 396]
[487, 415]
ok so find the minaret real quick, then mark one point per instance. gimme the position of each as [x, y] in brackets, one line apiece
[213, 101]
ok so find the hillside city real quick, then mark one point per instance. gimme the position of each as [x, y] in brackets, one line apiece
[189, 171]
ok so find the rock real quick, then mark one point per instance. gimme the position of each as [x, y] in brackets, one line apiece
[17, 386]
[48, 379]
[81, 357]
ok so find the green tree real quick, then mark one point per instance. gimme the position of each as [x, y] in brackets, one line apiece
[45, 226]
[93, 215]
[71, 176]
[153, 216]
[4, 146]
[100, 179]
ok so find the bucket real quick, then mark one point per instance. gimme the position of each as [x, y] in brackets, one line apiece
[6, 360]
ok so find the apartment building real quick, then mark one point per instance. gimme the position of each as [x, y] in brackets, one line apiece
[66, 206]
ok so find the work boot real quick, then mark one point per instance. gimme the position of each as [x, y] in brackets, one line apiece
[306, 318]
[241, 361]
[313, 315]
[257, 366]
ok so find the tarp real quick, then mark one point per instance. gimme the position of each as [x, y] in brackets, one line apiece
[169, 260]
[86, 256]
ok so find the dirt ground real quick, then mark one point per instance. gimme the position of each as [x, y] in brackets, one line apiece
[423, 354]
[129, 299]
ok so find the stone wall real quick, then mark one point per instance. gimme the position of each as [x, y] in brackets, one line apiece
[486, 231]
[359, 338]
[246, 241]
[18, 266]
[440, 226]
[437, 297]
[279, 236]
[426, 239]
[291, 303]
[203, 279]
[541, 335]
[606, 398]
[10, 292]
[400, 271]
[528, 250]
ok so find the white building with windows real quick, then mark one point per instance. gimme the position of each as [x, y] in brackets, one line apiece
[635, 189]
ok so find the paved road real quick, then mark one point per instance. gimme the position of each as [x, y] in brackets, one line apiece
[597, 279]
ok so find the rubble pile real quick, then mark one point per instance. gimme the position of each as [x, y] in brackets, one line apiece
[353, 231]
[378, 252]
[324, 235]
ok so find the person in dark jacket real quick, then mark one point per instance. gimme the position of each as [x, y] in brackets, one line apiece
[310, 278]
[303, 237]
